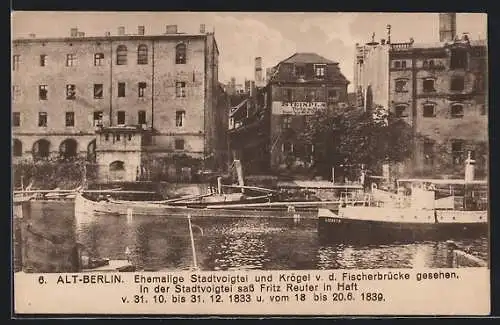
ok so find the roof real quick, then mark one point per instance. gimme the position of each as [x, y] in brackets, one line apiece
[108, 38]
[306, 57]
[317, 185]
[236, 108]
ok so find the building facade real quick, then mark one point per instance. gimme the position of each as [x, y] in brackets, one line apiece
[266, 129]
[440, 89]
[64, 89]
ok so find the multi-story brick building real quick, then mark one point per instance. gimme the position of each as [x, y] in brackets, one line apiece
[440, 89]
[166, 85]
[267, 133]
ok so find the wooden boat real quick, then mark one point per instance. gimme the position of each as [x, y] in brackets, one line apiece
[388, 217]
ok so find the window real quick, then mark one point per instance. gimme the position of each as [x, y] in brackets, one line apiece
[286, 123]
[16, 119]
[179, 118]
[179, 144]
[42, 119]
[70, 60]
[15, 62]
[70, 92]
[401, 86]
[98, 59]
[121, 89]
[479, 83]
[431, 64]
[300, 71]
[400, 111]
[428, 152]
[121, 55]
[70, 118]
[180, 89]
[425, 64]
[120, 117]
[98, 91]
[142, 89]
[16, 92]
[428, 85]
[18, 148]
[458, 59]
[457, 151]
[141, 117]
[142, 54]
[41, 149]
[397, 64]
[319, 70]
[403, 64]
[457, 84]
[180, 54]
[457, 110]
[429, 110]
[288, 95]
[98, 115]
[332, 93]
[106, 137]
[287, 147]
[483, 109]
[310, 95]
[118, 137]
[43, 92]
[43, 60]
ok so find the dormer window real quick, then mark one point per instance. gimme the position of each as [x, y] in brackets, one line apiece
[319, 70]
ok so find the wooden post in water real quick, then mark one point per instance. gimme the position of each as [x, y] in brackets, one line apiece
[195, 263]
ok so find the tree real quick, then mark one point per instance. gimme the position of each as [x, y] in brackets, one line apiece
[352, 137]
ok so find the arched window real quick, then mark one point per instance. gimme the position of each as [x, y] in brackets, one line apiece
[41, 149]
[142, 54]
[180, 54]
[121, 55]
[91, 155]
[67, 149]
[17, 150]
[117, 170]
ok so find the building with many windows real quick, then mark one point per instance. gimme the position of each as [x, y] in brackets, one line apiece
[439, 88]
[64, 89]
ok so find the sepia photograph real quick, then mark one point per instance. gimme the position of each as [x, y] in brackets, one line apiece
[238, 141]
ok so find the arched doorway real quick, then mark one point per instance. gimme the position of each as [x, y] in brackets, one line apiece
[41, 149]
[68, 149]
[91, 155]
[117, 170]
[17, 148]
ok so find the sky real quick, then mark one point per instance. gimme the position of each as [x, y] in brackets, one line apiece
[242, 36]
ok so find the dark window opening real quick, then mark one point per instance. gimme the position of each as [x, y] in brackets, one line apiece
[142, 89]
[288, 95]
[120, 117]
[180, 54]
[43, 91]
[15, 62]
[403, 64]
[42, 119]
[428, 85]
[43, 60]
[98, 116]
[98, 91]
[457, 151]
[457, 84]
[118, 137]
[483, 109]
[68, 149]
[98, 59]
[457, 110]
[142, 54]
[17, 148]
[320, 70]
[70, 92]
[121, 55]
[179, 118]
[16, 119]
[400, 111]
[397, 64]
[41, 149]
[300, 71]
[401, 86]
[179, 144]
[70, 60]
[121, 89]
[428, 152]
[286, 123]
[332, 94]
[141, 117]
[458, 59]
[287, 147]
[429, 110]
[180, 89]
[70, 119]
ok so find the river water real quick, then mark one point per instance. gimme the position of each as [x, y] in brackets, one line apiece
[161, 243]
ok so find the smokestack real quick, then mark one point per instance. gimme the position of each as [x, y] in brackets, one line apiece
[202, 28]
[258, 72]
[171, 29]
[74, 32]
[447, 26]
[121, 31]
[140, 30]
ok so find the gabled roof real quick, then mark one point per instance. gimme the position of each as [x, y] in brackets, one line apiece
[307, 57]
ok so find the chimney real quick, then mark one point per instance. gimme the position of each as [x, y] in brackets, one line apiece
[140, 30]
[121, 31]
[258, 72]
[74, 32]
[447, 26]
[202, 28]
[171, 29]
[107, 34]
[32, 35]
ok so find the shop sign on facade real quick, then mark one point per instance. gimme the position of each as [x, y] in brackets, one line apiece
[297, 108]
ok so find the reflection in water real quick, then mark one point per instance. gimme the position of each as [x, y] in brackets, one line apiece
[221, 244]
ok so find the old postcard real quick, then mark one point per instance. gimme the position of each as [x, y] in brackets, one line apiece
[231, 163]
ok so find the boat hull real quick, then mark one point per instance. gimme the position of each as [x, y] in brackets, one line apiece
[133, 208]
[428, 225]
